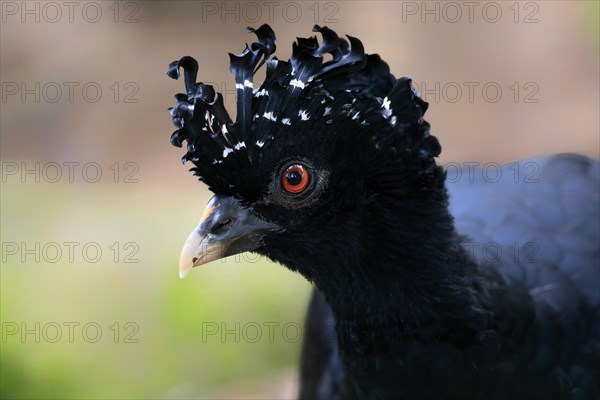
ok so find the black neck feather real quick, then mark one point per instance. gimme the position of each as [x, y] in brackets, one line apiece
[412, 282]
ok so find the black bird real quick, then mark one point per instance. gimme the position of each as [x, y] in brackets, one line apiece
[427, 286]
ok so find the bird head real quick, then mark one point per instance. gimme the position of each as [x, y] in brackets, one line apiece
[313, 157]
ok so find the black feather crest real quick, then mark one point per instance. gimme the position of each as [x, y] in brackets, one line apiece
[298, 97]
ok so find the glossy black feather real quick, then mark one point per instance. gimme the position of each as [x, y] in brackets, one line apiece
[302, 94]
[542, 215]
[387, 239]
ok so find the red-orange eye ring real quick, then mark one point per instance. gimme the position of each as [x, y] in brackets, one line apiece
[295, 178]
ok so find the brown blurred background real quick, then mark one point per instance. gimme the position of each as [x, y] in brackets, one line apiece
[84, 90]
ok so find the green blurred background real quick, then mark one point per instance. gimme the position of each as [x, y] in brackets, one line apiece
[229, 330]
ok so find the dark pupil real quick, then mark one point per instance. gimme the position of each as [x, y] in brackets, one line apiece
[293, 178]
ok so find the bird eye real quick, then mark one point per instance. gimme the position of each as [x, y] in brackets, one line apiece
[295, 178]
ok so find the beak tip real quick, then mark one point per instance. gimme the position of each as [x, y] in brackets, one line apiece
[184, 270]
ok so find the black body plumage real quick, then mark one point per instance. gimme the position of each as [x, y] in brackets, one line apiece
[386, 240]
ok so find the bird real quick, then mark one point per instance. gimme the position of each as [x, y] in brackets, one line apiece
[426, 285]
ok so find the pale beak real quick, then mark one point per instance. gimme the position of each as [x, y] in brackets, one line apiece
[197, 251]
[226, 228]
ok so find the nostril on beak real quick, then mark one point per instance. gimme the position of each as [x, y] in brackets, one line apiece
[221, 226]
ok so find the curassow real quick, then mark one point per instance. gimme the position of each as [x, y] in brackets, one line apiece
[425, 289]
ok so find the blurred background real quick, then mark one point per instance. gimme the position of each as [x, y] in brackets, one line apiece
[95, 204]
